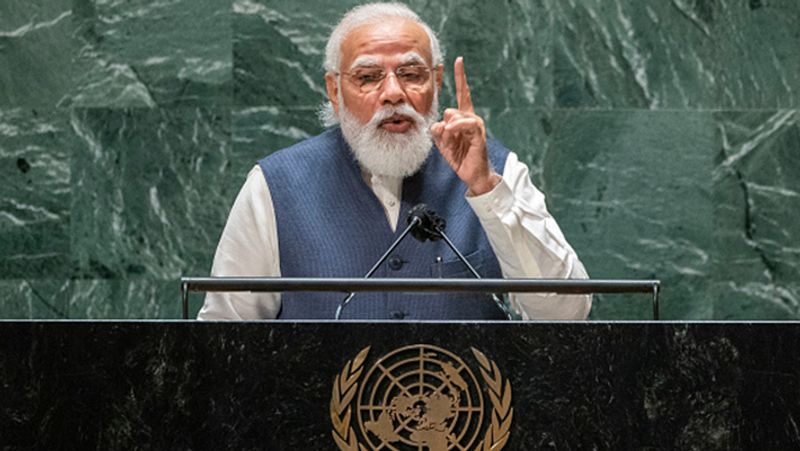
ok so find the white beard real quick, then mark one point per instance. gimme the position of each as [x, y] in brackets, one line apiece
[385, 153]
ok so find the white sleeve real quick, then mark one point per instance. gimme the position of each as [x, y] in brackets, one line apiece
[248, 247]
[529, 244]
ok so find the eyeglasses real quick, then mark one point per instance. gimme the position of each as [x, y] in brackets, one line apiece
[369, 79]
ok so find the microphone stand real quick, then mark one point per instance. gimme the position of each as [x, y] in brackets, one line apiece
[424, 224]
[432, 228]
[414, 222]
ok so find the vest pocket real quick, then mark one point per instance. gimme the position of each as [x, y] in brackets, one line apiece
[454, 268]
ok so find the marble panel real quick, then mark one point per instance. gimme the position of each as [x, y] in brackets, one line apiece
[756, 193]
[43, 298]
[150, 191]
[631, 192]
[140, 298]
[35, 298]
[759, 65]
[677, 54]
[143, 53]
[36, 52]
[279, 49]
[35, 148]
[506, 48]
[259, 131]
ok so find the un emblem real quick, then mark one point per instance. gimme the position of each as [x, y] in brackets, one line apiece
[420, 397]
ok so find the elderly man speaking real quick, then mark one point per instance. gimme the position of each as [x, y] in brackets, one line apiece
[329, 206]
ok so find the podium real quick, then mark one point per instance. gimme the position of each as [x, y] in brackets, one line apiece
[278, 385]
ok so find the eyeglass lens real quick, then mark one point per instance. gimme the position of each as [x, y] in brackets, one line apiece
[370, 79]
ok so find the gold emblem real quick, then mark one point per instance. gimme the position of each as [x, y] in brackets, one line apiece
[420, 397]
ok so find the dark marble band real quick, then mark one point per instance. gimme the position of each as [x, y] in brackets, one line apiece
[188, 385]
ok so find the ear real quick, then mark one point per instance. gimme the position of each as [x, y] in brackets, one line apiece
[439, 70]
[333, 90]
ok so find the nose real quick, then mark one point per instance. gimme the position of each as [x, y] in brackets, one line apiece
[392, 91]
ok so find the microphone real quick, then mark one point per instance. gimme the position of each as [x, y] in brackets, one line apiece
[430, 224]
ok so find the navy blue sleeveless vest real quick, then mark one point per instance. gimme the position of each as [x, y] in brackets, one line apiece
[331, 224]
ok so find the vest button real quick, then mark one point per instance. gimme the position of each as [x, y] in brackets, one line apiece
[396, 263]
[398, 314]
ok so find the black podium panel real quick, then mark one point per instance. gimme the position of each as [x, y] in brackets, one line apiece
[285, 386]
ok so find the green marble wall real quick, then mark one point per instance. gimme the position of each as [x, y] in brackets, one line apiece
[666, 135]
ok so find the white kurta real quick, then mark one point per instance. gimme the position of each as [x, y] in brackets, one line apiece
[525, 238]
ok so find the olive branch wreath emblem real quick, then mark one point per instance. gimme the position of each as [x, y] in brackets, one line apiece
[345, 387]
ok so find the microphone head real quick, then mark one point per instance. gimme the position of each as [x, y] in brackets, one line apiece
[430, 226]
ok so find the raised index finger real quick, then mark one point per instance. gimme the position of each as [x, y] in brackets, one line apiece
[463, 96]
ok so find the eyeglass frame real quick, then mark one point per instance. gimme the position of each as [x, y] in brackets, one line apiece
[429, 71]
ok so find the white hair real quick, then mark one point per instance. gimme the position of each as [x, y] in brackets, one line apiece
[363, 15]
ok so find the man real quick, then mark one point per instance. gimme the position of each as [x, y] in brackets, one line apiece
[331, 205]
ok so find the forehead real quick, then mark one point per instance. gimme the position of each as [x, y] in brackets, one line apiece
[388, 38]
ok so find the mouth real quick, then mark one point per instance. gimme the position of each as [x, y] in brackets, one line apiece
[397, 123]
